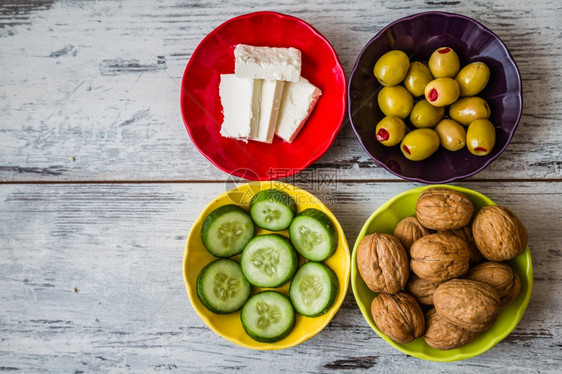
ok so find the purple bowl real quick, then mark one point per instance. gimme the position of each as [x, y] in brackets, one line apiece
[419, 35]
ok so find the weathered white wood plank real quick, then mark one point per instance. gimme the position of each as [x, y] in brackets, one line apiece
[121, 247]
[90, 90]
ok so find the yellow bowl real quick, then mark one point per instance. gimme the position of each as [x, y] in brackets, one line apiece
[196, 257]
[384, 219]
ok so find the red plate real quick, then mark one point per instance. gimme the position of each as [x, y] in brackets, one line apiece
[202, 111]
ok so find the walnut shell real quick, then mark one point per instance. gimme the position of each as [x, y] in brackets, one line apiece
[443, 335]
[440, 208]
[496, 274]
[408, 230]
[383, 263]
[439, 257]
[470, 304]
[398, 316]
[512, 293]
[498, 233]
[421, 289]
[465, 233]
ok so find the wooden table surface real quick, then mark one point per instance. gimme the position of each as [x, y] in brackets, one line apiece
[100, 184]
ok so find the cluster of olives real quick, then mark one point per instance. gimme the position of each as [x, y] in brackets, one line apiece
[439, 84]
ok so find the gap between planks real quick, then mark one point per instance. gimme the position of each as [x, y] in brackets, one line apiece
[216, 181]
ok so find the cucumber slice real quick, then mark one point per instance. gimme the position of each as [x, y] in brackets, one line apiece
[269, 260]
[226, 231]
[314, 235]
[314, 289]
[273, 209]
[221, 286]
[268, 316]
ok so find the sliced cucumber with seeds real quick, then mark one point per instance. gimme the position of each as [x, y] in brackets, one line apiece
[314, 289]
[269, 260]
[268, 316]
[221, 286]
[226, 231]
[273, 209]
[314, 235]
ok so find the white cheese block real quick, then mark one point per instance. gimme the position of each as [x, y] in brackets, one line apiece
[298, 101]
[241, 102]
[271, 93]
[267, 63]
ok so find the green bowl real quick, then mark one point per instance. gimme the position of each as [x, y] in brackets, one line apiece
[384, 219]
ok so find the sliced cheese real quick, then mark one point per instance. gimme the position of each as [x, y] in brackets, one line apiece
[298, 101]
[271, 93]
[241, 102]
[267, 63]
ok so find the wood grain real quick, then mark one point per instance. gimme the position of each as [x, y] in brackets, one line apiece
[100, 184]
[88, 86]
[121, 246]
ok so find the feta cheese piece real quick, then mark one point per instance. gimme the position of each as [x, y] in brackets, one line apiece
[298, 101]
[241, 101]
[271, 93]
[267, 63]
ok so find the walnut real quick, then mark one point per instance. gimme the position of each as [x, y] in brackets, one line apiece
[440, 208]
[443, 335]
[439, 257]
[470, 304]
[498, 233]
[383, 263]
[421, 289]
[496, 274]
[409, 230]
[513, 292]
[398, 316]
[465, 233]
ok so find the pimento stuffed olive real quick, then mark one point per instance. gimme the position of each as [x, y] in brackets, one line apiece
[444, 63]
[390, 131]
[481, 137]
[419, 144]
[442, 91]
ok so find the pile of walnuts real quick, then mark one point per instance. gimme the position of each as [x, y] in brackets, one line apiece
[440, 260]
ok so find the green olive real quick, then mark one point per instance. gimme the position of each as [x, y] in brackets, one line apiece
[395, 101]
[469, 109]
[442, 91]
[390, 131]
[417, 78]
[444, 63]
[451, 134]
[426, 115]
[473, 78]
[419, 144]
[480, 137]
[391, 68]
